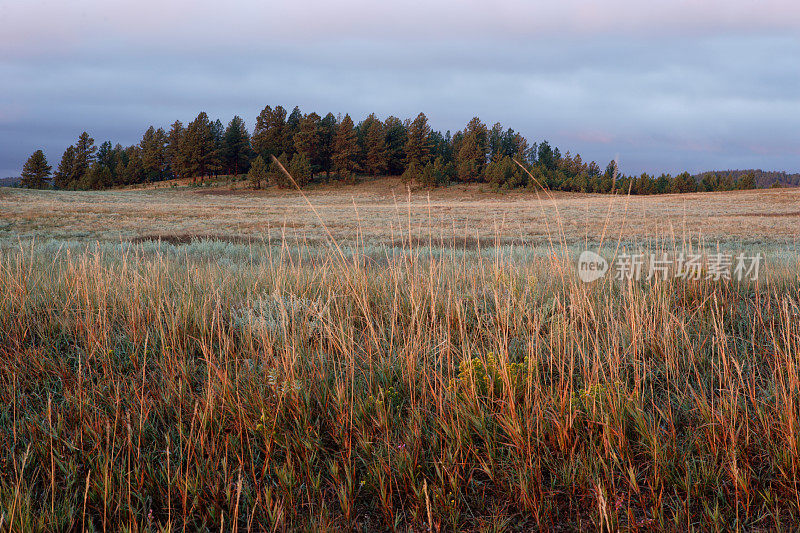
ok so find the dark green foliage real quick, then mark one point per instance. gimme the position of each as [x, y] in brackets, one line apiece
[259, 172]
[471, 155]
[417, 143]
[270, 132]
[411, 150]
[109, 156]
[101, 177]
[36, 172]
[292, 127]
[376, 156]
[307, 140]
[345, 150]
[84, 155]
[441, 145]
[396, 136]
[200, 147]
[327, 132]
[300, 169]
[217, 134]
[437, 173]
[277, 175]
[762, 178]
[413, 173]
[236, 151]
[682, 183]
[495, 139]
[72, 172]
[546, 157]
[65, 172]
[748, 181]
[505, 174]
[176, 154]
[153, 154]
[134, 168]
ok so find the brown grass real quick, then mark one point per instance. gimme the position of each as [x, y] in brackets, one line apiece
[310, 387]
[376, 211]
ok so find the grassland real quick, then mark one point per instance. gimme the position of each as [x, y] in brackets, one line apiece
[381, 212]
[215, 359]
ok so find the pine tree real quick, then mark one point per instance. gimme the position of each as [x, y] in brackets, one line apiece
[176, 151]
[683, 182]
[345, 149]
[292, 127]
[300, 169]
[495, 139]
[412, 173]
[65, 172]
[215, 159]
[307, 140]
[36, 171]
[236, 147]
[471, 156]
[747, 181]
[277, 174]
[396, 136]
[437, 173]
[99, 176]
[505, 173]
[105, 152]
[134, 169]
[327, 129]
[269, 133]
[199, 147]
[84, 157]
[154, 153]
[376, 159]
[107, 155]
[258, 172]
[546, 158]
[440, 145]
[417, 145]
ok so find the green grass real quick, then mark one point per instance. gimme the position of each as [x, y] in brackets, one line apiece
[158, 387]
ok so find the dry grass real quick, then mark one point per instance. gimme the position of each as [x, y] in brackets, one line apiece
[207, 385]
[379, 211]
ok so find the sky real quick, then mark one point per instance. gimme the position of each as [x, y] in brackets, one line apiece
[660, 85]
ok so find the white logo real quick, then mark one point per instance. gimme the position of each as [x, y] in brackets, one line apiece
[591, 266]
[633, 267]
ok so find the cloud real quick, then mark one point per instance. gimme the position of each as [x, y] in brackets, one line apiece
[196, 23]
[667, 85]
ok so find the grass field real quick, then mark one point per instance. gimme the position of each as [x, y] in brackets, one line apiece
[380, 212]
[223, 359]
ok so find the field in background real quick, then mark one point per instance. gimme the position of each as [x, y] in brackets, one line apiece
[379, 212]
[270, 379]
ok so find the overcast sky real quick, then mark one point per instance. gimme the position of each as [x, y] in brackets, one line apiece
[664, 85]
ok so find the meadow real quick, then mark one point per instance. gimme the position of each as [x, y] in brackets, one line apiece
[368, 358]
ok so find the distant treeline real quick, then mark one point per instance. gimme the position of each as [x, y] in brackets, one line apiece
[762, 178]
[313, 147]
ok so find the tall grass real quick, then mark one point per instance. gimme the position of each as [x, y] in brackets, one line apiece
[141, 390]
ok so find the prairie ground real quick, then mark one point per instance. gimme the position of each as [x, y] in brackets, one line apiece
[381, 211]
[209, 359]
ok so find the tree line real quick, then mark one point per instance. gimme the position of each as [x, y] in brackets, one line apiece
[311, 147]
[763, 178]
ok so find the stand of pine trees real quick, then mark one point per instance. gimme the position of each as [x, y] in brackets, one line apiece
[312, 148]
